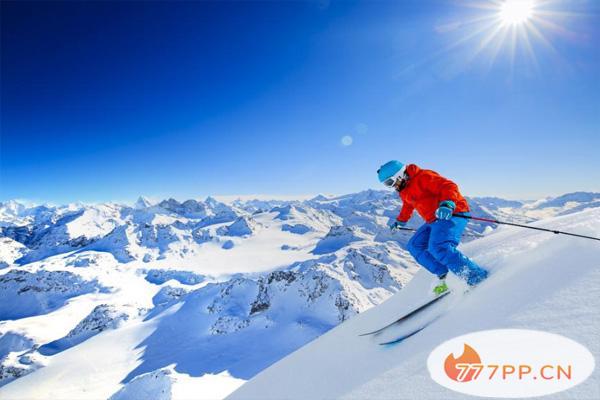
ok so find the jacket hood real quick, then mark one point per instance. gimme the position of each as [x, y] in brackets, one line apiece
[412, 170]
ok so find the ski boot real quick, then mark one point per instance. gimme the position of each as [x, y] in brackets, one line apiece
[475, 274]
[441, 286]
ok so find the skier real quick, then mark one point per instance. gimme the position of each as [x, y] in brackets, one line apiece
[436, 199]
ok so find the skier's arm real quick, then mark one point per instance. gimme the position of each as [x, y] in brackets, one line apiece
[405, 212]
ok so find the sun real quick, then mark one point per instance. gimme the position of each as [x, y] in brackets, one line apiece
[519, 32]
[516, 12]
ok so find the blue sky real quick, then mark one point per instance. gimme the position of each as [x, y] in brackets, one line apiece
[109, 100]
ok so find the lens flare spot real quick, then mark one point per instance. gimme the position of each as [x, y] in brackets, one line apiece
[347, 140]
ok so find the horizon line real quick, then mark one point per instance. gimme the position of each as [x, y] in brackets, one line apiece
[230, 198]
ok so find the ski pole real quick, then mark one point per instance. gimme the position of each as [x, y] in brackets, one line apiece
[495, 221]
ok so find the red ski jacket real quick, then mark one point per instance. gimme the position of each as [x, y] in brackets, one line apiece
[424, 191]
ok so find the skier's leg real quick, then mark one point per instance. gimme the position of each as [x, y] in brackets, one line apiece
[444, 237]
[417, 246]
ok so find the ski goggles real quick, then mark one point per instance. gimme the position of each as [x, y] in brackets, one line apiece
[392, 180]
[389, 182]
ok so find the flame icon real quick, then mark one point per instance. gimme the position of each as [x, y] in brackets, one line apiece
[461, 374]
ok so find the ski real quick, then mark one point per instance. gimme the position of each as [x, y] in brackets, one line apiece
[398, 340]
[411, 313]
[402, 338]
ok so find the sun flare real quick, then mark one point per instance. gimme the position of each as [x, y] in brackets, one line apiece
[514, 12]
[506, 30]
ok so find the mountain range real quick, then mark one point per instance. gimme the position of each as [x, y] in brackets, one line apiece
[202, 294]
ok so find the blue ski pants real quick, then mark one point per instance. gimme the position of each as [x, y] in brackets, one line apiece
[434, 247]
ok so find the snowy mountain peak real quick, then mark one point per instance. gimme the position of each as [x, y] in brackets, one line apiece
[142, 202]
[12, 207]
[575, 197]
[243, 226]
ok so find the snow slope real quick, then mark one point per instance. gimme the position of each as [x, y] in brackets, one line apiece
[540, 281]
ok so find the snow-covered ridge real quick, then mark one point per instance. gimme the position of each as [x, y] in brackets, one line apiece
[165, 283]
